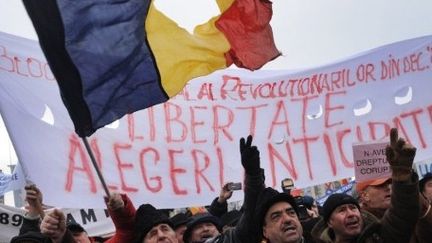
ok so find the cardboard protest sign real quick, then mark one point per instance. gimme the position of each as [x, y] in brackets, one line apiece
[370, 161]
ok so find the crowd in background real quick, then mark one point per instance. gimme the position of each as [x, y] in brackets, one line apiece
[394, 209]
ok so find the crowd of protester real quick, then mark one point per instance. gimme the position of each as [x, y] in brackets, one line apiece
[395, 209]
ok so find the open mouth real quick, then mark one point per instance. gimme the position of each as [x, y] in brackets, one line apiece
[352, 224]
[290, 229]
[207, 236]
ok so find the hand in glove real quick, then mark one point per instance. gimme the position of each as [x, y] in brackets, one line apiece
[400, 155]
[249, 156]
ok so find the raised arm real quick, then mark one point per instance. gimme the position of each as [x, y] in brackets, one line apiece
[399, 221]
[122, 213]
[54, 226]
[254, 184]
[34, 209]
[219, 205]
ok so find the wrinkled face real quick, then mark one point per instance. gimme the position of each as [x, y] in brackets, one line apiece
[346, 221]
[161, 233]
[281, 224]
[427, 190]
[377, 196]
[204, 231]
[180, 232]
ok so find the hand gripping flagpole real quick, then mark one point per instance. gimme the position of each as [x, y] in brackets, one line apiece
[90, 152]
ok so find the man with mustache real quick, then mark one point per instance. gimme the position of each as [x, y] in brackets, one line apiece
[277, 218]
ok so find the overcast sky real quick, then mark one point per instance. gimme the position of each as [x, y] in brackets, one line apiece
[309, 33]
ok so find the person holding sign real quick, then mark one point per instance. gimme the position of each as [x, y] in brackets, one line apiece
[51, 229]
[344, 221]
[53, 226]
[29, 230]
[122, 212]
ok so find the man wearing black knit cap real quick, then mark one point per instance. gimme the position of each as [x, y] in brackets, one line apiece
[342, 214]
[345, 222]
[179, 222]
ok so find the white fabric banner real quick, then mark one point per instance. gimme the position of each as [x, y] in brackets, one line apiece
[12, 182]
[180, 153]
[95, 222]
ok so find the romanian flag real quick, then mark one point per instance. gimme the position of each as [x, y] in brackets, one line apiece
[114, 57]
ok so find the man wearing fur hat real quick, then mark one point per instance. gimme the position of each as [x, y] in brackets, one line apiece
[345, 222]
[152, 226]
[201, 227]
[277, 218]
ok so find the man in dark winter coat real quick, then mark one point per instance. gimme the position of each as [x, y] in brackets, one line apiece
[277, 218]
[245, 230]
[345, 222]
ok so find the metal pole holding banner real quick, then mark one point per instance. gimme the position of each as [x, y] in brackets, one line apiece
[90, 152]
